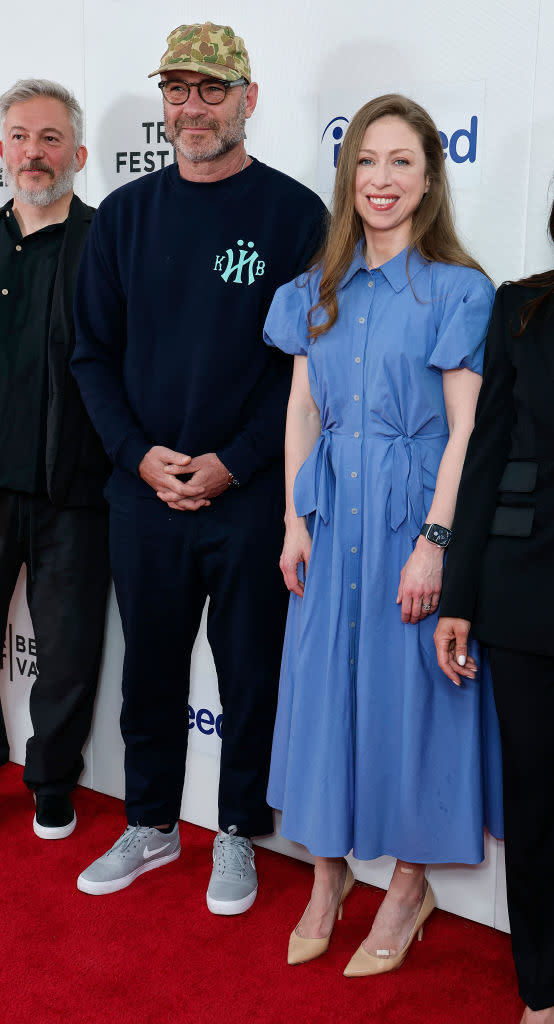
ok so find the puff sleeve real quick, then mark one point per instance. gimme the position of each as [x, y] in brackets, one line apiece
[462, 306]
[286, 325]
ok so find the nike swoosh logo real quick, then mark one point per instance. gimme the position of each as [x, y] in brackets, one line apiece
[146, 853]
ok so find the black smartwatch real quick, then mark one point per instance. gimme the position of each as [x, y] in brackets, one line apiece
[438, 535]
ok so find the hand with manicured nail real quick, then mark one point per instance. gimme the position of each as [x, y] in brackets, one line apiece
[451, 644]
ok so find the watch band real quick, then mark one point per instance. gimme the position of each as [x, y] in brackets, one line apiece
[439, 535]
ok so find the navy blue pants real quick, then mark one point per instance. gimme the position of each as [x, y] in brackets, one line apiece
[165, 564]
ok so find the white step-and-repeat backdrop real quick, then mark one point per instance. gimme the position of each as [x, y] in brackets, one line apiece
[482, 67]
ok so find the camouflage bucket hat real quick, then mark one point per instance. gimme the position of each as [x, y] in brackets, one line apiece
[210, 49]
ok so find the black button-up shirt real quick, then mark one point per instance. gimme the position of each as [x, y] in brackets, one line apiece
[27, 271]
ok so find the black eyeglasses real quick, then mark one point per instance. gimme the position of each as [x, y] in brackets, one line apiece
[210, 91]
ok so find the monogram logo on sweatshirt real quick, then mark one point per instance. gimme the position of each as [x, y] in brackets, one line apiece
[233, 265]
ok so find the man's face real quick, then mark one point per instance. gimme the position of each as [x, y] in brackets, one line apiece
[202, 131]
[39, 152]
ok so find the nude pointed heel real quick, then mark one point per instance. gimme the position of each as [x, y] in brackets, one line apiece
[302, 950]
[363, 963]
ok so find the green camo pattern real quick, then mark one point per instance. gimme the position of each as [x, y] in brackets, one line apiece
[214, 49]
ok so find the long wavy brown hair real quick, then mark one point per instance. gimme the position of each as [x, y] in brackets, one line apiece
[433, 231]
[545, 281]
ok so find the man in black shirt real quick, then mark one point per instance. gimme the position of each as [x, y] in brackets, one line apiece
[178, 273]
[52, 466]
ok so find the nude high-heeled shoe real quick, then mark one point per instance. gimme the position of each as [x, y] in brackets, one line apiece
[302, 950]
[363, 963]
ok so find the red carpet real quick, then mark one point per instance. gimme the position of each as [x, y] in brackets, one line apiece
[153, 954]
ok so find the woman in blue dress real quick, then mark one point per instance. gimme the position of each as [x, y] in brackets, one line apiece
[374, 751]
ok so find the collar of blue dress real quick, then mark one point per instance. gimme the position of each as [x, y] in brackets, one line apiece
[399, 271]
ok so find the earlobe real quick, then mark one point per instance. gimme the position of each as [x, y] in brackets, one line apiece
[81, 157]
[251, 98]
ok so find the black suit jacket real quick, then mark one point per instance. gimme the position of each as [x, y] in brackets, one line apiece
[76, 465]
[500, 563]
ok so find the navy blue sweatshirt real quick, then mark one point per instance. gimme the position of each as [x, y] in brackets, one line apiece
[174, 286]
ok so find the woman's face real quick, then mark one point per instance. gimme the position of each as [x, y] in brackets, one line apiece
[390, 181]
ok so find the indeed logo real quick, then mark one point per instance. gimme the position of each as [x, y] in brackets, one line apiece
[336, 128]
[461, 147]
[205, 721]
[463, 143]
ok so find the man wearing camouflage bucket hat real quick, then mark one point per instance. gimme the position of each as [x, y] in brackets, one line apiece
[175, 283]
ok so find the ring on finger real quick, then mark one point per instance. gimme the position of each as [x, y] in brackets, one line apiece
[426, 607]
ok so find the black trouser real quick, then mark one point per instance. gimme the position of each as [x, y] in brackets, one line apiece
[165, 563]
[524, 695]
[66, 554]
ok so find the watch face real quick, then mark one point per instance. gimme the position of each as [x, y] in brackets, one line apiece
[439, 535]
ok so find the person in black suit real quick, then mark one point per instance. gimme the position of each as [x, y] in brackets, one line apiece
[498, 582]
[53, 516]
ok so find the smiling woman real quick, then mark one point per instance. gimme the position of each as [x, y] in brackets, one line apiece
[391, 176]
[429, 227]
[372, 751]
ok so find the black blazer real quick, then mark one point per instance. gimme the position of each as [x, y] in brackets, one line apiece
[76, 465]
[500, 563]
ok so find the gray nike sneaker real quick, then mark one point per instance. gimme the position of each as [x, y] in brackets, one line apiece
[234, 882]
[139, 849]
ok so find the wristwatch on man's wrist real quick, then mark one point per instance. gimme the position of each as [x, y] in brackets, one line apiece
[438, 535]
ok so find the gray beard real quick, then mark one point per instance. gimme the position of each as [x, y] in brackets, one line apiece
[43, 196]
[226, 138]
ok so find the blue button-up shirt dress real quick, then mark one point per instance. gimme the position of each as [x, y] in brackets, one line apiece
[375, 750]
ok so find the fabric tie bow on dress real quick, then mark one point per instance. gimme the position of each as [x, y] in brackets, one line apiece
[315, 482]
